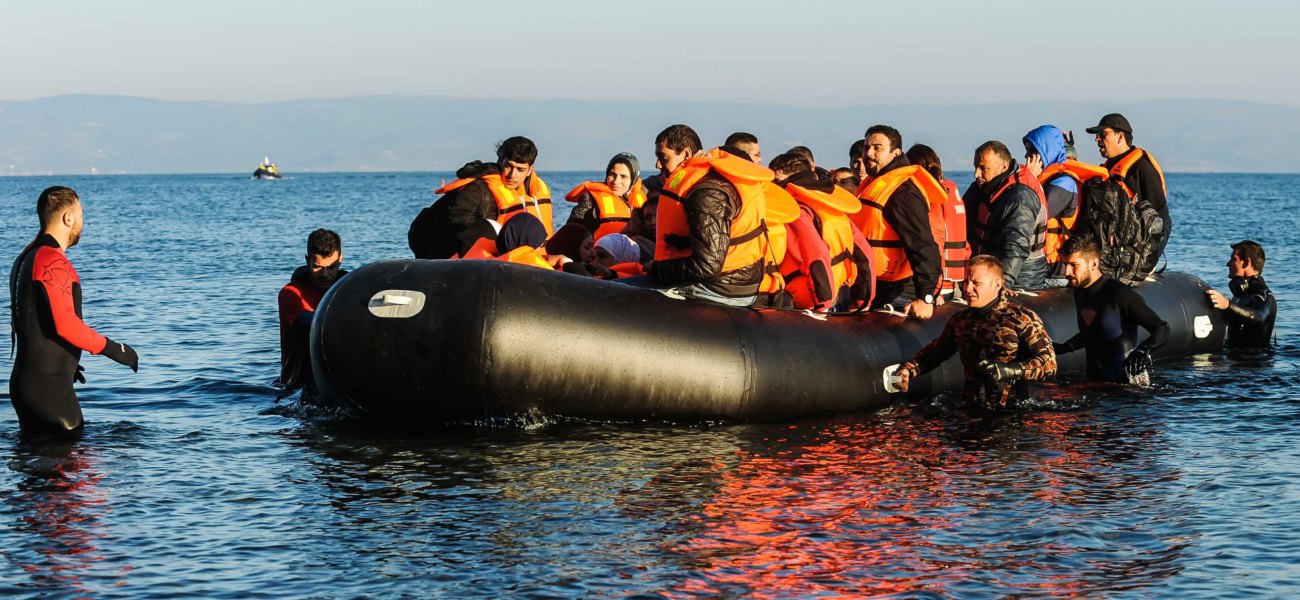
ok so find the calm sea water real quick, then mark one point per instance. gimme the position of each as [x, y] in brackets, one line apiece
[190, 480]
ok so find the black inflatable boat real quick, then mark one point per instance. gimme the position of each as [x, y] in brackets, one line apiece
[435, 341]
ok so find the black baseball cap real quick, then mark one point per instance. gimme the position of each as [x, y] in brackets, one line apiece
[1114, 121]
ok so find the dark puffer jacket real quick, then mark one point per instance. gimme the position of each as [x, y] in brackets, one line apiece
[711, 206]
[1014, 231]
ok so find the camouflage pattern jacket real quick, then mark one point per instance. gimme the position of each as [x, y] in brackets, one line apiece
[1001, 332]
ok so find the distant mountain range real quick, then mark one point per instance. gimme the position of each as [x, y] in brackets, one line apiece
[113, 134]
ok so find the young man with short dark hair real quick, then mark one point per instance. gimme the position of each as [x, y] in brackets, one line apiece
[1253, 309]
[298, 300]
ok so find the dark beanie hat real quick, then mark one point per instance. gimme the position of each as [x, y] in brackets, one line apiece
[521, 230]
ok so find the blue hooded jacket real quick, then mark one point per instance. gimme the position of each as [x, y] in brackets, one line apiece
[1050, 144]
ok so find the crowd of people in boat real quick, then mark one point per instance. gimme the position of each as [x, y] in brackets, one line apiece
[890, 230]
[887, 232]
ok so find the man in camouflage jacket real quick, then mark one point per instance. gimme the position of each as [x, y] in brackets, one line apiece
[1002, 344]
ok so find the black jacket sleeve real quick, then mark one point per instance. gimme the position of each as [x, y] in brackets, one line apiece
[585, 212]
[909, 215]
[1132, 306]
[1254, 308]
[472, 202]
[1145, 180]
[1010, 236]
[710, 209]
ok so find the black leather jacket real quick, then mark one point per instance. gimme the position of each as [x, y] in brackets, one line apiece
[711, 206]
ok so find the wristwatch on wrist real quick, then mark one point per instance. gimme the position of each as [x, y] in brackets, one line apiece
[928, 299]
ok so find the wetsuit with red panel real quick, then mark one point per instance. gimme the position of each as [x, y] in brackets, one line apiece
[298, 300]
[45, 295]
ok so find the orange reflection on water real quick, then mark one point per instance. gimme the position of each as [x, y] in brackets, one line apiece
[65, 505]
[867, 508]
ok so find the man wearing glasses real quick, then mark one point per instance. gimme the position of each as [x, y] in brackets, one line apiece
[1136, 170]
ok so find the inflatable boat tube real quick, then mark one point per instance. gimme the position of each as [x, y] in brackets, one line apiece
[444, 341]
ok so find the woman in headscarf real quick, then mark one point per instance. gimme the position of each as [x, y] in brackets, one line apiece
[604, 208]
[617, 256]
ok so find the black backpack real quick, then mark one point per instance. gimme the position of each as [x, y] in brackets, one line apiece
[1127, 229]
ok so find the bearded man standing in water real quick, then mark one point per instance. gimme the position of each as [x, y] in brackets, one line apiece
[45, 304]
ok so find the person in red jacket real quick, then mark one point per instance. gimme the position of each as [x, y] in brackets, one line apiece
[298, 300]
[45, 305]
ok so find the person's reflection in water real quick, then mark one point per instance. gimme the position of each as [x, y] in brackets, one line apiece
[59, 507]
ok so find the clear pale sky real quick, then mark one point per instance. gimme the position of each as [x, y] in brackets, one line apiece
[834, 53]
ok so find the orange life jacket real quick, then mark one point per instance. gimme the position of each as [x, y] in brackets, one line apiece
[612, 211]
[955, 249]
[1120, 170]
[536, 192]
[527, 255]
[781, 209]
[1022, 175]
[483, 248]
[1060, 226]
[508, 202]
[748, 244]
[832, 209]
[627, 269]
[890, 259]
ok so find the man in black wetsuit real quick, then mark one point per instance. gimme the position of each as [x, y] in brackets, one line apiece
[1253, 309]
[1109, 314]
[45, 300]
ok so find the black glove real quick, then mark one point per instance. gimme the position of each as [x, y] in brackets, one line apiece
[1137, 363]
[1059, 349]
[123, 354]
[80, 375]
[992, 371]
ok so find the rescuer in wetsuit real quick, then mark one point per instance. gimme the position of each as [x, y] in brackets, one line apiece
[298, 300]
[1253, 309]
[45, 301]
[1002, 344]
[1109, 314]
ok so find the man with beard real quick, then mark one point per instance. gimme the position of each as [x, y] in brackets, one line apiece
[298, 300]
[45, 304]
[896, 220]
[1002, 344]
[1109, 314]
[1253, 308]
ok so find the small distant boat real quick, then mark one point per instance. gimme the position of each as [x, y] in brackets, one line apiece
[266, 170]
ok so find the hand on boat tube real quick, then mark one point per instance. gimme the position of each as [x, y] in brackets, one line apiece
[920, 309]
[988, 370]
[904, 378]
[1217, 300]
